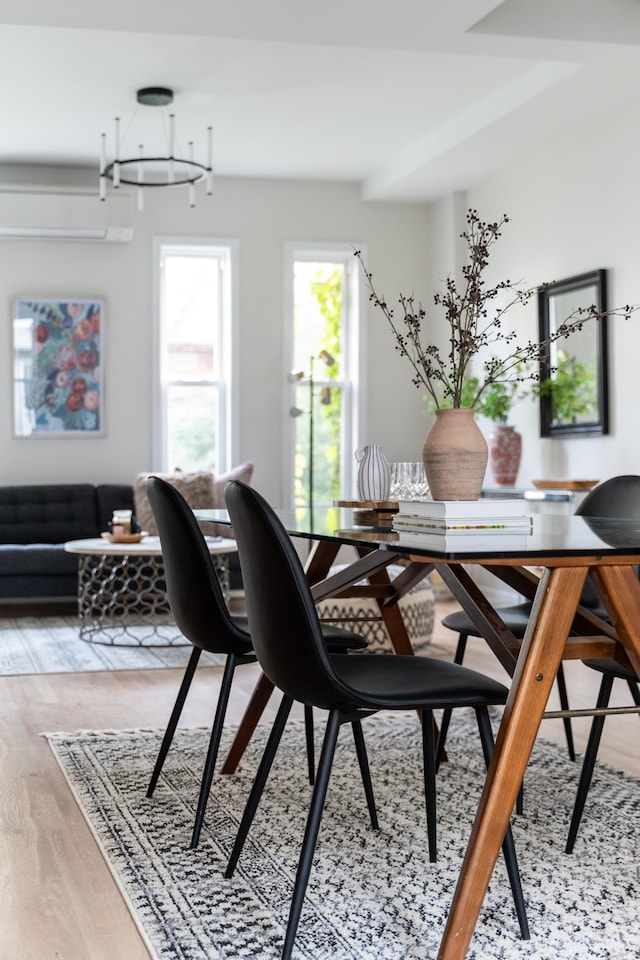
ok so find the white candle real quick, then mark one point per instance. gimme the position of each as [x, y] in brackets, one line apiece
[116, 162]
[210, 162]
[103, 154]
[172, 169]
[141, 181]
[192, 189]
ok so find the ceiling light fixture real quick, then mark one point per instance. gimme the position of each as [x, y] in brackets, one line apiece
[168, 171]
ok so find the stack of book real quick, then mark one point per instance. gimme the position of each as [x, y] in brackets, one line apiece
[457, 524]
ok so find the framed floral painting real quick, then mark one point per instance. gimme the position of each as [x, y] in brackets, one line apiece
[57, 367]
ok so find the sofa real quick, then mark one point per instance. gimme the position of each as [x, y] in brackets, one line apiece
[35, 522]
[37, 519]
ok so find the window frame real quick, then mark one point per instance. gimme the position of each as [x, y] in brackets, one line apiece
[353, 361]
[227, 345]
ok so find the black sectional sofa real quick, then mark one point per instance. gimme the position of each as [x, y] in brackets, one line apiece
[35, 522]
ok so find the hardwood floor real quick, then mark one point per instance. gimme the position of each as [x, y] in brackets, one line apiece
[58, 897]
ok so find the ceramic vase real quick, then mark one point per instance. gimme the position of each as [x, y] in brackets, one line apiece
[505, 450]
[455, 456]
[374, 475]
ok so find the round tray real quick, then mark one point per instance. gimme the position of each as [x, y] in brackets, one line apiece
[124, 537]
[564, 484]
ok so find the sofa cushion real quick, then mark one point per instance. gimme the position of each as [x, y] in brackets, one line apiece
[47, 513]
[243, 472]
[36, 559]
[110, 497]
[201, 489]
[196, 487]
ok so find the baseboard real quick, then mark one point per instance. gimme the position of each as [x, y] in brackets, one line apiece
[39, 607]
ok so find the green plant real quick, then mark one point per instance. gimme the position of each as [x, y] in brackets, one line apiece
[477, 325]
[500, 395]
[572, 389]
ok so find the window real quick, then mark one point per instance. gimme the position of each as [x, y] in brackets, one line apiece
[193, 430]
[323, 372]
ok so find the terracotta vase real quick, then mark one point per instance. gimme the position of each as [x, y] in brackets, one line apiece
[505, 450]
[455, 456]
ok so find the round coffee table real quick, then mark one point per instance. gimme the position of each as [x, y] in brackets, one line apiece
[122, 598]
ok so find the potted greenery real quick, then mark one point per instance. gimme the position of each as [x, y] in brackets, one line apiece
[572, 389]
[455, 452]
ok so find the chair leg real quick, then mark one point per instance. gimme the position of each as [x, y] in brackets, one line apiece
[311, 830]
[174, 718]
[446, 714]
[258, 784]
[214, 743]
[634, 691]
[308, 728]
[589, 762]
[363, 760]
[508, 846]
[564, 704]
[429, 761]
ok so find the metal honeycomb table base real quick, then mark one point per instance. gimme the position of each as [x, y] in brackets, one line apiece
[122, 600]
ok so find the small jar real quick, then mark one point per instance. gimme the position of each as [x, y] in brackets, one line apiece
[121, 522]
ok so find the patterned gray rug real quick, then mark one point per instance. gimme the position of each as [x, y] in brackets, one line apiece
[53, 645]
[372, 895]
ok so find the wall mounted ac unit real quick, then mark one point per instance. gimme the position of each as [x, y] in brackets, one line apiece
[65, 216]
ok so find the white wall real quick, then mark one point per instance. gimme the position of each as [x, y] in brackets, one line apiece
[262, 215]
[574, 207]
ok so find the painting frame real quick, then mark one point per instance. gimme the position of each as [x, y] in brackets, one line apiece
[58, 364]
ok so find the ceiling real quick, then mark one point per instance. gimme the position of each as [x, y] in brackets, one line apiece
[412, 99]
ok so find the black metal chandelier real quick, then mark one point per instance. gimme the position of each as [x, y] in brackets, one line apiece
[168, 171]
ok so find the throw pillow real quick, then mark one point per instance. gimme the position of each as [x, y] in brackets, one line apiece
[196, 487]
[243, 472]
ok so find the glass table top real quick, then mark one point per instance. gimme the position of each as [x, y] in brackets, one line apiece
[558, 536]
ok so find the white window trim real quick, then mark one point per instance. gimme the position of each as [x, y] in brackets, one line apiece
[230, 361]
[354, 349]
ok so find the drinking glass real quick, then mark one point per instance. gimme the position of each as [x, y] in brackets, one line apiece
[408, 481]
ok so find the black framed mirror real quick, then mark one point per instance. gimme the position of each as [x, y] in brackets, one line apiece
[574, 396]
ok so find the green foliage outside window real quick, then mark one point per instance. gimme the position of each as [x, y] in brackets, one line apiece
[327, 289]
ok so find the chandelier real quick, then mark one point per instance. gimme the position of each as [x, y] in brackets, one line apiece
[162, 171]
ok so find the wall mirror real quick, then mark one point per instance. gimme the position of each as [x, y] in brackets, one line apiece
[574, 399]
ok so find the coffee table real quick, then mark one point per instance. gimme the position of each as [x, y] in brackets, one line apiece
[122, 598]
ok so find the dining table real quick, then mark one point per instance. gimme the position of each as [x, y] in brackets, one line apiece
[549, 566]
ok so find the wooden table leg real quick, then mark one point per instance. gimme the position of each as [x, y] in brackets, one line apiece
[259, 700]
[619, 589]
[552, 614]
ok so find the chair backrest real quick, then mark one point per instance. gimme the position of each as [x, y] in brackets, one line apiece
[195, 595]
[617, 498]
[285, 629]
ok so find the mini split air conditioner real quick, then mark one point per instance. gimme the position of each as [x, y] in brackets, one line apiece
[65, 216]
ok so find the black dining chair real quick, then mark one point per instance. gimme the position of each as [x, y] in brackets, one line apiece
[515, 618]
[610, 670]
[296, 661]
[619, 496]
[200, 611]
[616, 498]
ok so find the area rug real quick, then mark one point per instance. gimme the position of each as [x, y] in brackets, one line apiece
[372, 895]
[30, 645]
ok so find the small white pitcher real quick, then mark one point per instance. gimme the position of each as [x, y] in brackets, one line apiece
[374, 475]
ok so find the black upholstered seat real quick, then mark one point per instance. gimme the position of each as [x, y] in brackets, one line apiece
[199, 609]
[515, 618]
[618, 497]
[297, 662]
